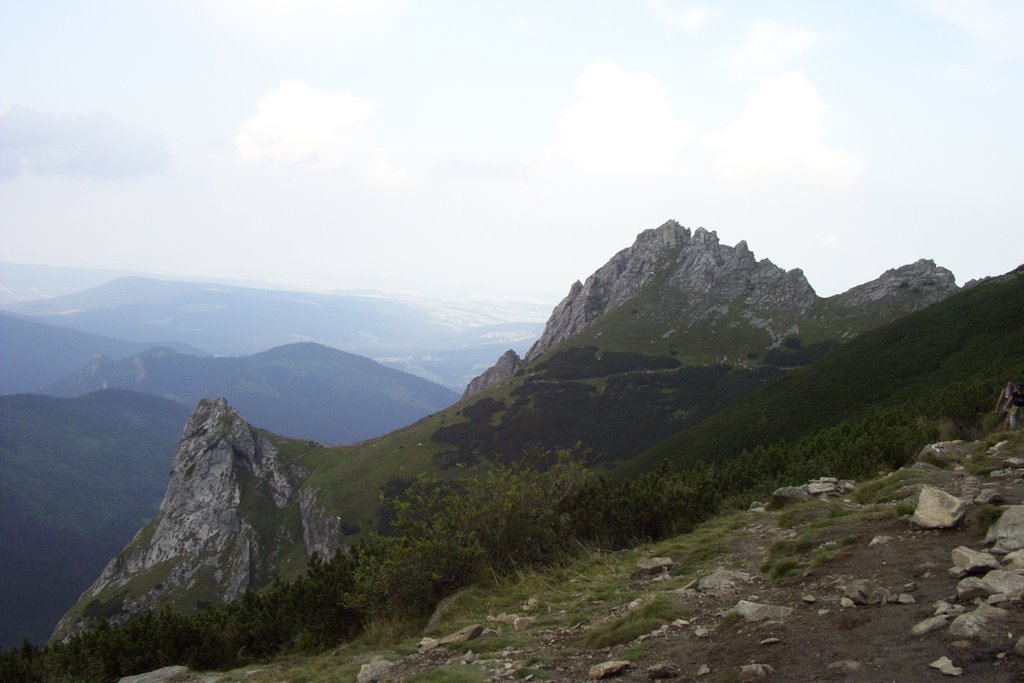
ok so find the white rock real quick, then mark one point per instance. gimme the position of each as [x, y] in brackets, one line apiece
[937, 509]
[944, 665]
[1007, 533]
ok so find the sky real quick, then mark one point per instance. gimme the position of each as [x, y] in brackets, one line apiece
[509, 148]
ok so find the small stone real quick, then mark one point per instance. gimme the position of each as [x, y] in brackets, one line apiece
[864, 592]
[770, 641]
[662, 670]
[941, 607]
[988, 497]
[997, 598]
[846, 665]
[1018, 649]
[945, 666]
[930, 624]
[754, 611]
[846, 602]
[755, 672]
[823, 612]
[703, 670]
[880, 540]
[427, 644]
[463, 635]
[809, 599]
[607, 669]
[905, 599]
[956, 572]
[909, 587]
[469, 657]
[701, 632]
[722, 580]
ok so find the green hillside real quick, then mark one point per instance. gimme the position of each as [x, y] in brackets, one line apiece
[946, 358]
[78, 478]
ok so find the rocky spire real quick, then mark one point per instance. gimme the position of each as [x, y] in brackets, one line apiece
[223, 525]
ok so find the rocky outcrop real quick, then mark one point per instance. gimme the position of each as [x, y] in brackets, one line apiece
[507, 365]
[232, 512]
[704, 277]
[928, 282]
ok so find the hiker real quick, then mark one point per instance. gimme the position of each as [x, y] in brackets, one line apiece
[1011, 399]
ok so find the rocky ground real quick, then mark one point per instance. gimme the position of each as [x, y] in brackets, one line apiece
[911, 577]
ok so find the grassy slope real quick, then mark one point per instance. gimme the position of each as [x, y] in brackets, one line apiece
[975, 336]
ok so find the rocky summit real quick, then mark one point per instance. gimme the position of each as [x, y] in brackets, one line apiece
[234, 513]
[684, 293]
[704, 274]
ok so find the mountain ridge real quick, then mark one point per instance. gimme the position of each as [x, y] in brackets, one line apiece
[705, 289]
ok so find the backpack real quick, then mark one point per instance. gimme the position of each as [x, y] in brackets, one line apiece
[1017, 397]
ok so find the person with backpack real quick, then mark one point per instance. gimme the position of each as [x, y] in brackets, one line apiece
[1011, 400]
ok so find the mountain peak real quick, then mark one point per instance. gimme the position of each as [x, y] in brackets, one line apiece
[703, 276]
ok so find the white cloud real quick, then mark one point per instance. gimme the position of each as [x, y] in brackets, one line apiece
[683, 15]
[620, 124]
[780, 134]
[769, 48]
[296, 125]
[95, 145]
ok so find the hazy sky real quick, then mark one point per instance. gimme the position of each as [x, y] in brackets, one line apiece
[450, 146]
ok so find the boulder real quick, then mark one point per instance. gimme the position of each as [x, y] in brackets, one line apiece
[374, 671]
[1008, 583]
[937, 509]
[1014, 560]
[972, 561]
[790, 494]
[972, 587]
[983, 623]
[653, 566]
[1007, 533]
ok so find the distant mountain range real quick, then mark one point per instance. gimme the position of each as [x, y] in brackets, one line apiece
[442, 342]
[78, 477]
[305, 390]
[34, 355]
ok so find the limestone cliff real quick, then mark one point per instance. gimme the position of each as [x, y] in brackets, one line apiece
[235, 514]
